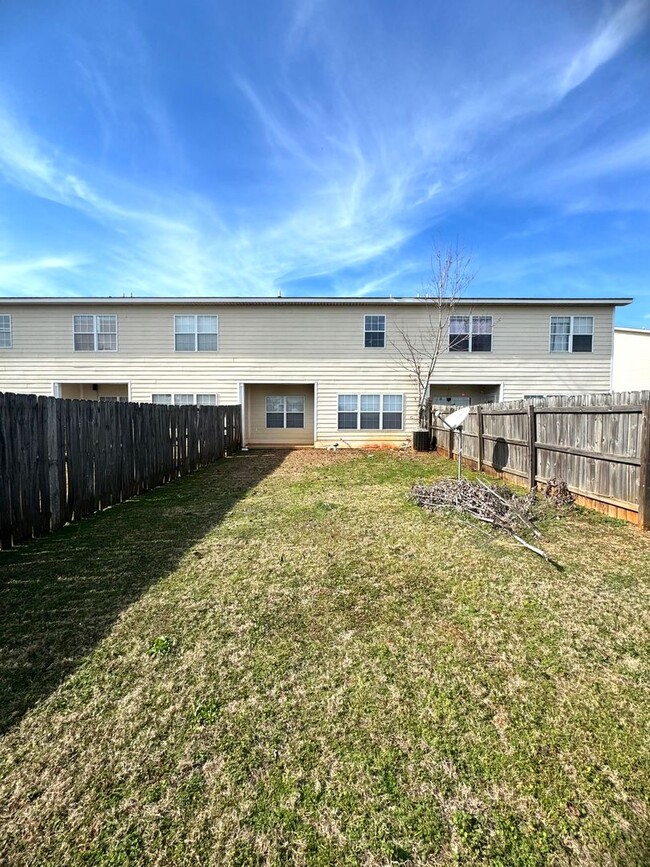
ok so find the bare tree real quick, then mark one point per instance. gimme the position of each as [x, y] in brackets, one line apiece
[420, 345]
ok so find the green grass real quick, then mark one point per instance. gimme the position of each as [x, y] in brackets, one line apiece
[280, 660]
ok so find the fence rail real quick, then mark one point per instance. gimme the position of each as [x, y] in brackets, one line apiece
[61, 460]
[599, 444]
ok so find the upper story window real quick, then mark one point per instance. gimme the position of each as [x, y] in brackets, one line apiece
[572, 334]
[95, 333]
[5, 331]
[470, 334]
[374, 331]
[196, 333]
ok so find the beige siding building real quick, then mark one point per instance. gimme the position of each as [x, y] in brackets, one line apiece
[306, 371]
[631, 359]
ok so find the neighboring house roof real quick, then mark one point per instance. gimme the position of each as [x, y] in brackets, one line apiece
[645, 331]
[281, 301]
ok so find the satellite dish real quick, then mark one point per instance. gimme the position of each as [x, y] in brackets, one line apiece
[455, 422]
[457, 418]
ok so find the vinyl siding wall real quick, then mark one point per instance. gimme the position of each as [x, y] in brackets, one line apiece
[631, 360]
[297, 344]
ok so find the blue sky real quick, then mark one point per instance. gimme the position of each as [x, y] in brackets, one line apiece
[323, 146]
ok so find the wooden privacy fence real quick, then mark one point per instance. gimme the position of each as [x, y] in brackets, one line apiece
[599, 444]
[61, 460]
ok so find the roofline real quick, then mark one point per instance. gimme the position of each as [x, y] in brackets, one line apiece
[633, 330]
[318, 301]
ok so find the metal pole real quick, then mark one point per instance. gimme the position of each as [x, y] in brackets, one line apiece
[460, 452]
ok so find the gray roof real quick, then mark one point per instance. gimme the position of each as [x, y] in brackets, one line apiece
[319, 301]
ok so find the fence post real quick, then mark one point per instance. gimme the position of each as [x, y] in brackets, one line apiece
[6, 476]
[53, 454]
[479, 433]
[644, 469]
[532, 451]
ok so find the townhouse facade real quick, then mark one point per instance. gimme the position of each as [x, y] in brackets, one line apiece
[306, 371]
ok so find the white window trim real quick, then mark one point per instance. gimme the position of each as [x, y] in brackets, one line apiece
[10, 332]
[195, 316]
[194, 396]
[384, 332]
[471, 317]
[571, 317]
[358, 396]
[284, 410]
[95, 332]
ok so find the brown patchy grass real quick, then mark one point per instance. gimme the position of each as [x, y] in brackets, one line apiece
[280, 660]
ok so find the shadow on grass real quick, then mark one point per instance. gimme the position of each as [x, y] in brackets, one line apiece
[60, 595]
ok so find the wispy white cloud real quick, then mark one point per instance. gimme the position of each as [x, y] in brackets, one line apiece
[22, 276]
[280, 138]
[303, 14]
[40, 170]
[521, 266]
[398, 281]
[629, 154]
[10, 271]
[116, 79]
[614, 31]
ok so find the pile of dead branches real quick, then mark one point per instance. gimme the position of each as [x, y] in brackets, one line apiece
[558, 493]
[493, 504]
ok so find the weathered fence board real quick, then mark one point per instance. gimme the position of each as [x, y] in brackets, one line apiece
[62, 460]
[599, 444]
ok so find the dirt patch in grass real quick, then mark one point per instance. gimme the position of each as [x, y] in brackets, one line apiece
[283, 661]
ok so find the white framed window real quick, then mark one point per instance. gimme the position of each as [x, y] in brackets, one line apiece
[184, 398]
[5, 331]
[470, 334]
[374, 332]
[196, 333]
[285, 411]
[571, 334]
[95, 333]
[103, 398]
[370, 412]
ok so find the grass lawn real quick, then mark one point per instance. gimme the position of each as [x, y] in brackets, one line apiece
[280, 660]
